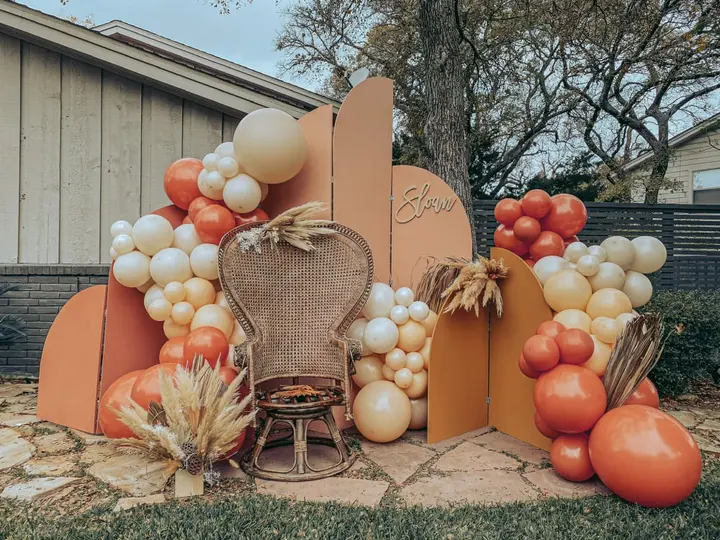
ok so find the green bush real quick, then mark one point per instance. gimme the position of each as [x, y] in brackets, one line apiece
[691, 351]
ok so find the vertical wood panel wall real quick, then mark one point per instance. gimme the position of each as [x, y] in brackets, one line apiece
[80, 148]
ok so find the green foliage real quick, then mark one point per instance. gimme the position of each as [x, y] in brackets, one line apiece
[11, 326]
[691, 351]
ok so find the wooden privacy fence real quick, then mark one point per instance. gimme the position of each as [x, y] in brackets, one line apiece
[691, 234]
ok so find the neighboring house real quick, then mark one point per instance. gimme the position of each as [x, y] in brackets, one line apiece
[89, 121]
[694, 168]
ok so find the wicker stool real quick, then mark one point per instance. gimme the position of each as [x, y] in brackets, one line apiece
[298, 413]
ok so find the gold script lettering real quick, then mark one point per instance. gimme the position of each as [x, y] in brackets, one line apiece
[415, 202]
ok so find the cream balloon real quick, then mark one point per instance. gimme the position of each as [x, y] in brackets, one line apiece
[215, 316]
[623, 319]
[204, 261]
[571, 266]
[210, 162]
[153, 293]
[174, 292]
[430, 323]
[368, 370]
[412, 336]
[242, 194]
[160, 309]
[588, 265]
[404, 296]
[152, 233]
[605, 329]
[403, 378]
[221, 300]
[132, 269]
[380, 301]
[415, 362]
[113, 254]
[172, 329]
[215, 181]
[226, 149]
[146, 286]
[357, 332]
[608, 303]
[265, 189]
[228, 167]
[202, 183]
[574, 318]
[122, 244]
[396, 359]
[638, 288]
[419, 386]
[567, 290]
[388, 373]
[120, 227]
[183, 313]
[186, 238]
[650, 255]
[598, 253]
[170, 264]
[608, 276]
[599, 360]
[547, 267]
[574, 251]
[270, 145]
[199, 292]
[381, 335]
[382, 412]
[419, 413]
[620, 251]
[238, 336]
[399, 315]
[425, 352]
[419, 311]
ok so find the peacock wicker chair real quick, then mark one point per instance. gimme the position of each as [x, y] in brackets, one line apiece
[295, 307]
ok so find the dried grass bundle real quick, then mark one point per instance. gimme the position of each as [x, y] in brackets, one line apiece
[297, 391]
[295, 226]
[636, 353]
[476, 285]
[198, 422]
[437, 279]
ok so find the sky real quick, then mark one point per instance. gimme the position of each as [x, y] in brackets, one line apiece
[246, 36]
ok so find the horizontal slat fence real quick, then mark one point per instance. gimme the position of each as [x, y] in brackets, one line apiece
[691, 234]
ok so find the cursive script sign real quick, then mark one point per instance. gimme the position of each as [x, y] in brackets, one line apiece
[416, 201]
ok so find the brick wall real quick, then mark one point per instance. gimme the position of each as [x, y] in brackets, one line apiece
[42, 291]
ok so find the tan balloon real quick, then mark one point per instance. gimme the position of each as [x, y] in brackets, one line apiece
[183, 313]
[567, 289]
[199, 292]
[418, 388]
[574, 318]
[419, 413]
[620, 251]
[638, 288]
[588, 265]
[215, 316]
[415, 362]
[430, 323]
[599, 359]
[382, 411]
[160, 309]
[608, 303]
[368, 369]
[650, 255]
[238, 336]
[172, 329]
[174, 292]
[396, 359]
[425, 352]
[606, 329]
[221, 301]
[388, 373]
[357, 332]
[608, 276]
[403, 378]
[412, 336]
[270, 145]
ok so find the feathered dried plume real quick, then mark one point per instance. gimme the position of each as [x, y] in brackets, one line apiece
[198, 422]
[437, 279]
[477, 285]
[636, 353]
[295, 226]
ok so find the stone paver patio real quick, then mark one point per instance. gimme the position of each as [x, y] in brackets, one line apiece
[41, 463]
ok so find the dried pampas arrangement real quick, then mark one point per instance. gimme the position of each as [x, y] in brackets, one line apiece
[476, 285]
[437, 279]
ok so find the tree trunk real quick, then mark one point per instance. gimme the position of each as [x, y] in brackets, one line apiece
[657, 177]
[445, 134]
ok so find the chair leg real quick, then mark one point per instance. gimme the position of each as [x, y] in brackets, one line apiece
[262, 440]
[301, 445]
[337, 436]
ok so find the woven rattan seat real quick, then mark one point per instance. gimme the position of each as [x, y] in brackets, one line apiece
[295, 307]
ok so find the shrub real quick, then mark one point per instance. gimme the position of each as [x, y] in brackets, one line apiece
[691, 351]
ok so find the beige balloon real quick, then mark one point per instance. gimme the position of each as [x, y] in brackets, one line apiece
[382, 412]
[368, 369]
[638, 288]
[567, 289]
[153, 293]
[388, 373]
[396, 359]
[172, 329]
[608, 276]
[403, 378]
[133, 269]
[270, 145]
[215, 316]
[415, 362]
[174, 292]
[600, 357]
[183, 313]
[650, 255]
[623, 320]
[357, 332]
[606, 329]
[152, 233]
[160, 309]
[620, 251]
[419, 413]
[221, 300]
[608, 303]
[170, 264]
[412, 336]
[238, 336]
[425, 352]
[430, 323]
[574, 318]
[419, 386]
[204, 261]
[186, 238]
[199, 292]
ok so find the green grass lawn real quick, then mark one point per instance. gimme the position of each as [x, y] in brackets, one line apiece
[258, 517]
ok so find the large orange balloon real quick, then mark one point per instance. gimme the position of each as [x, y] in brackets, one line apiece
[198, 204]
[508, 211]
[541, 353]
[576, 346]
[645, 456]
[551, 329]
[212, 222]
[116, 397]
[529, 372]
[527, 229]
[547, 243]
[542, 427]
[571, 399]
[172, 351]
[250, 217]
[181, 182]
[504, 237]
[536, 203]
[567, 216]
[645, 394]
[208, 342]
[147, 385]
[570, 457]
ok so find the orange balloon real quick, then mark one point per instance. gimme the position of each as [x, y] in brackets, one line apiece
[227, 374]
[576, 346]
[527, 229]
[567, 216]
[508, 211]
[645, 394]
[504, 237]
[212, 222]
[529, 262]
[542, 427]
[547, 243]
[147, 385]
[571, 399]
[250, 217]
[116, 397]
[181, 182]
[570, 457]
[536, 203]
[172, 351]
[198, 204]
[551, 329]
[208, 342]
[541, 353]
[187, 221]
[645, 456]
[527, 370]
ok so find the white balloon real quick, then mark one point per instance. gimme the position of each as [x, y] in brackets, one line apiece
[120, 227]
[650, 255]
[620, 251]
[588, 265]
[399, 315]
[122, 244]
[132, 269]
[160, 310]
[204, 261]
[380, 301]
[214, 194]
[226, 149]
[265, 189]
[215, 181]
[608, 276]
[174, 292]
[182, 313]
[242, 194]
[153, 293]
[548, 266]
[574, 251]
[598, 253]
[357, 332]
[381, 335]
[638, 288]
[419, 311]
[210, 162]
[113, 254]
[404, 296]
[152, 233]
[170, 264]
[228, 167]
[186, 238]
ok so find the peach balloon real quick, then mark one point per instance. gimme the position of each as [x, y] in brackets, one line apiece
[215, 316]
[403, 378]
[183, 313]
[396, 359]
[430, 323]
[172, 329]
[419, 385]
[382, 411]
[608, 276]
[367, 370]
[115, 397]
[412, 336]
[425, 352]
[567, 289]
[357, 332]
[221, 301]
[160, 310]
[599, 360]
[419, 413]
[623, 319]
[238, 336]
[608, 303]
[574, 318]
[415, 362]
[606, 329]
[174, 292]
[388, 373]
[199, 292]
